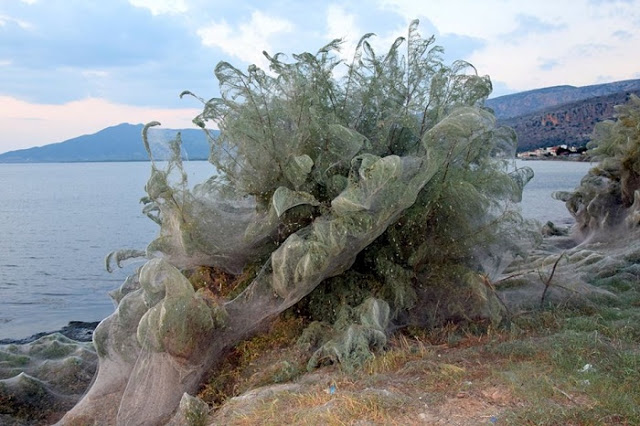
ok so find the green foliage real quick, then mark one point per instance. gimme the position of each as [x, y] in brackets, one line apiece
[616, 144]
[610, 194]
[267, 358]
[358, 333]
[380, 183]
[350, 289]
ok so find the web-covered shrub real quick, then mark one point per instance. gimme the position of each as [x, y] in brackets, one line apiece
[368, 194]
[391, 158]
[609, 195]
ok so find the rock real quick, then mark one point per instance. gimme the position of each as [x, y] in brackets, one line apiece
[550, 229]
[192, 411]
[41, 380]
[76, 330]
[246, 403]
[150, 350]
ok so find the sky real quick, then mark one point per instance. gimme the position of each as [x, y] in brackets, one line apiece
[73, 67]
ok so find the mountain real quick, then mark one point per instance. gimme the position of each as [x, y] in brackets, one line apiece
[524, 103]
[571, 124]
[117, 143]
[542, 117]
[561, 114]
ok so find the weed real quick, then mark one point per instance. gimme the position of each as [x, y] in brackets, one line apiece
[402, 351]
[267, 358]
[577, 365]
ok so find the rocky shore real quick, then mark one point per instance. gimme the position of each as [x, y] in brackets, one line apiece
[75, 330]
[153, 350]
[43, 376]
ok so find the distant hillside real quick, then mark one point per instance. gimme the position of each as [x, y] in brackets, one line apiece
[117, 143]
[570, 124]
[543, 117]
[531, 101]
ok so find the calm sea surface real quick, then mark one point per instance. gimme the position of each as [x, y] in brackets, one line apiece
[550, 176]
[59, 221]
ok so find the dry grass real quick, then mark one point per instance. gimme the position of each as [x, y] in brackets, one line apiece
[268, 358]
[573, 367]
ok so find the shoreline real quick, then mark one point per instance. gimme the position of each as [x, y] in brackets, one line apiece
[562, 158]
[82, 331]
[79, 331]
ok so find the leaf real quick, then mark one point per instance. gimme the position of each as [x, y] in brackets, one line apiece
[373, 178]
[297, 169]
[120, 256]
[284, 199]
[455, 132]
[520, 178]
[345, 143]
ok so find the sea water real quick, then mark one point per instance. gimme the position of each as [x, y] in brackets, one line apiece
[59, 221]
[550, 176]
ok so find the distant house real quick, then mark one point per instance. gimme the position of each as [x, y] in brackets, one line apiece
[553, 151]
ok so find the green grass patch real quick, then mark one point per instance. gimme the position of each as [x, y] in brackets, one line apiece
[573, 366]
[585, 378]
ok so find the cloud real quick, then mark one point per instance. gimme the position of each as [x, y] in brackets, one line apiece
[159, 7]
[113, 50]
[342, 24]
[622, 35]
[458, 46]
[600, 2]
[475, 19]
[547, 65]
[591, 49]
[603, 79]
[89, 34]
[6, 21]
[25, 123]
[95, 73]
[145, 52]
[153, 84]
[350, 24]
[247, 40]
[528, 45]
[531, 25]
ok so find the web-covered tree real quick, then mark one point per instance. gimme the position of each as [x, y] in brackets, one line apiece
[608, 197]
[382, 195]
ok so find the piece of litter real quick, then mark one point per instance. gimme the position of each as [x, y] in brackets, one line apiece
[586, 368]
